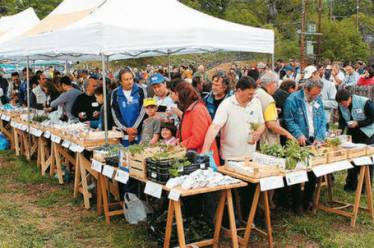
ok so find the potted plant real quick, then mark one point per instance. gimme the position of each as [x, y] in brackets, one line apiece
[253, 126]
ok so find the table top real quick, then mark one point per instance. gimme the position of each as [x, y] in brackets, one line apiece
[191, 192]
[234, 174]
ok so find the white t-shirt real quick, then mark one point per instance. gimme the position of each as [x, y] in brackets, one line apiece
[340, 76]
[127, 94]
[234, 121]
[309, 115]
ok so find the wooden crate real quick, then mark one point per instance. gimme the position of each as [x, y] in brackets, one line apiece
[137, 168]
[255, 170]
[318, 160]
[357, 152]
[337, 155]
[370, 150]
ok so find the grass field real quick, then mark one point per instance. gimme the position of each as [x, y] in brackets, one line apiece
[36, 211]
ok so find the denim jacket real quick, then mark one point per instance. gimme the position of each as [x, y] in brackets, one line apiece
[209, 103]
[295, 117]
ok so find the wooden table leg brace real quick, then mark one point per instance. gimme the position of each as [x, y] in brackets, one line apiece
[364, 177]
[175, 210]
[82, 171]
[104, 188]
[252, 213]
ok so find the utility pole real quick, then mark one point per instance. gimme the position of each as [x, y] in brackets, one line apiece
[357, 9]
[302, 58]
[319, 31]
[330, 9]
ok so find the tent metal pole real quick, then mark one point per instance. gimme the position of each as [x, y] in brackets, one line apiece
[105, 98]
[67, 69]
[169, 63]
[28, 101]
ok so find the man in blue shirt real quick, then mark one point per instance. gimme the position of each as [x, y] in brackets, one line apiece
[305, 119]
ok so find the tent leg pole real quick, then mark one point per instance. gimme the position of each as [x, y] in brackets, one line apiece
[105, 99]
[28, 100]
[67, 69]
[169, 63]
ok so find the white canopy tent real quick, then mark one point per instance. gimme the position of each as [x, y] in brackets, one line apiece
[15, 25]
[114, 29]
[128, 28]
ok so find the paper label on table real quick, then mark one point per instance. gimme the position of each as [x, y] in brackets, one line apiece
[38, 133]
[268, 160]
[362, 161]
[174, 195]
[96, 166]
[12, 123]
[73, 147]
[324, 169]
[23, 127]
[55, 139]
[153, 189]
[342, 165]
[66, 144]
[269, 183]
[47, 135]
[122, 176]
[108, 171]
[79, 148]
[296, 177]
[5, 118]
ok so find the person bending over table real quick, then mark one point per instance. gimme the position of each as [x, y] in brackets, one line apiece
[305, 119]
[357, 114]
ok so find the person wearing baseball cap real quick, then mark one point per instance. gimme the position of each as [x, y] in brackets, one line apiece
[162, 96]
[310, 72]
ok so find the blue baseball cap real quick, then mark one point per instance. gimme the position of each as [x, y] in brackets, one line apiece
[157, 79]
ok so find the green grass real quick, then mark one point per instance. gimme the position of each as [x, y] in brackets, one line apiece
[36, 211]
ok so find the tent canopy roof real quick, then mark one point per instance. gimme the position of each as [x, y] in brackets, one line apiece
[15, 25]
[127, 28]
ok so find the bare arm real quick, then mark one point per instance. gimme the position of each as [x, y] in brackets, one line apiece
[276, 128]
[210, 136]
[154, 139]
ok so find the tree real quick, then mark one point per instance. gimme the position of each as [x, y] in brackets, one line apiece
[42, 7]
[342, 41]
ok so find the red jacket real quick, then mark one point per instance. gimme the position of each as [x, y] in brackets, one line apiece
[365, 81]
[195, 123]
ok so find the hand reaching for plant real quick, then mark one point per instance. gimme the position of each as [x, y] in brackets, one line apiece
[302, 140]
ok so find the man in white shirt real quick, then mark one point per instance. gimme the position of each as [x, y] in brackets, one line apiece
[233, 118]
[337, 76]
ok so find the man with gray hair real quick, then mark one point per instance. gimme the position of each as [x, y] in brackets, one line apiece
[268, 86]
[305, 118]
[304, 114]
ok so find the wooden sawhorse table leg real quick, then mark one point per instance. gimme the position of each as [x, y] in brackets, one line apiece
[364, 178]
[252, 213]
[175, 210]
[103, 190]
[80, 181]
[16, 142]
[56, 165]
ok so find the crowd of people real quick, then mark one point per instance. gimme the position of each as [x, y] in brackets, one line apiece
[212, 114]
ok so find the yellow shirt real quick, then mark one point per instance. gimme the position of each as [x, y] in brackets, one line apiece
[270, 113]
